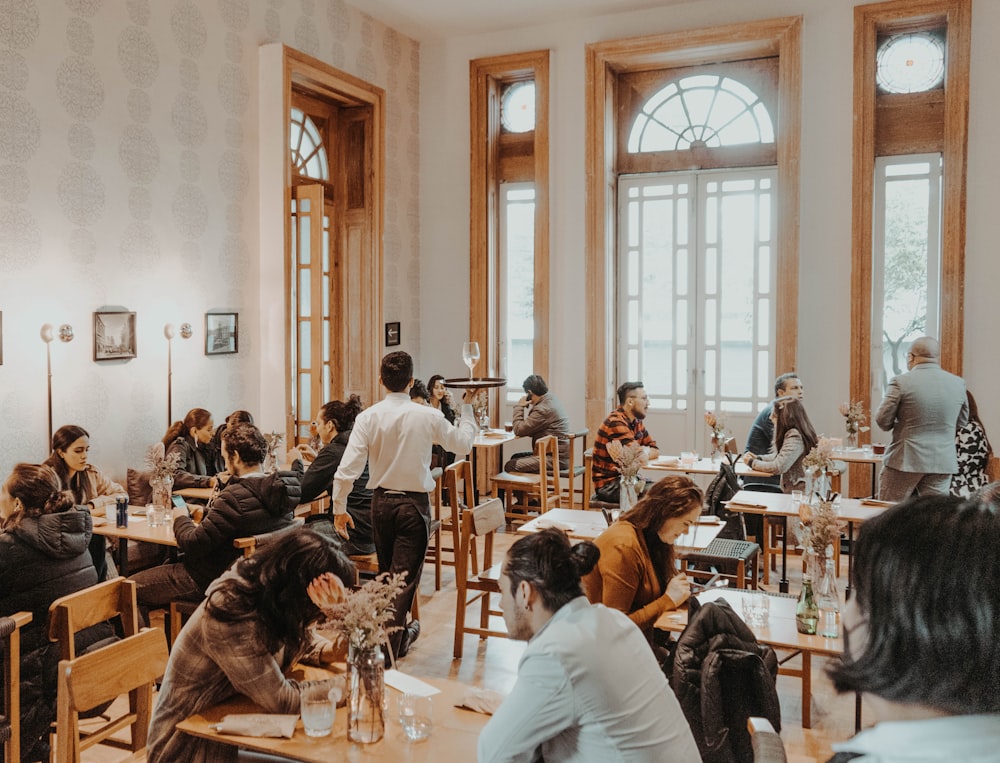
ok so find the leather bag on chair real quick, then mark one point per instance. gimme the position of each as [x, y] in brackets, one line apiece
[722, 676]
[722, 488]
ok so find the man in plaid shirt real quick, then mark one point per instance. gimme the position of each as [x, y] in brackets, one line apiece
[625, 424]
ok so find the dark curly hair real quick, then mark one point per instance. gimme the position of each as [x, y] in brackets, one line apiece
[271, 586]
[246, 440]
[551, 564]
[396, 371]
[342, 412]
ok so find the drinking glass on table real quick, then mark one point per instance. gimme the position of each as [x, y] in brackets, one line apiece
[756, 609]
[317, 708]
[470, 355]
[416, 716]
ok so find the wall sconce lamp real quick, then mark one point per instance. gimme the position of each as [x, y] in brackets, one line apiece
[48, 333]
[168, 332]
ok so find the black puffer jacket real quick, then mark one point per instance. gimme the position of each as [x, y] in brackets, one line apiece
[246, 506]
[198, 462]
[721, 677]
[41, 560]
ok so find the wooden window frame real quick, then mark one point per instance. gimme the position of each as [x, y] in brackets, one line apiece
[486, 78]
[776, 37]
[872, 137]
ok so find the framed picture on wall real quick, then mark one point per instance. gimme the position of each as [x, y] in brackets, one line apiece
[114, 335]
[222, 333]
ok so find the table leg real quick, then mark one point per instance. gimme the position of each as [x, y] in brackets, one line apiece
[783, 583]
[850, 558]
[123, 557]
[806, 689]
[857, 712]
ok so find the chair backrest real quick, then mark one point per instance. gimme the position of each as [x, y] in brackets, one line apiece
[10, 721]
[722, 488]
[482, 521]
[72, 613]
[570, 473]
[550, 486]
[131, 665]
[766, 742]
[251, 543]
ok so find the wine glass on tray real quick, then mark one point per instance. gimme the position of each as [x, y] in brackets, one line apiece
[470, 355]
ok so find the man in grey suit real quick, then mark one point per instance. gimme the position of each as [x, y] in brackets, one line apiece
[538, 414]
[923, 408]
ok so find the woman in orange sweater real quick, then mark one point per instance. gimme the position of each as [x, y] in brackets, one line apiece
[636, 572]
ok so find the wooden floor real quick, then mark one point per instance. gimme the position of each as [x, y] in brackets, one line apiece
[492, 663]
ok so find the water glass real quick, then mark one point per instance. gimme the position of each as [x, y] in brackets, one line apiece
[155, 515]
[416, 716]
[756, 609]
[688, 458]
[317, 709]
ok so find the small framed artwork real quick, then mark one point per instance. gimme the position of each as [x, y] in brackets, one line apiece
[392, 334]
[222, 333]
[114, 335]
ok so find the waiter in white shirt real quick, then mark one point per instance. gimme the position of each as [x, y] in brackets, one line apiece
[395, 438]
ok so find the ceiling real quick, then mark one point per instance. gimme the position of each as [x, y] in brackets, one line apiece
[425, 19]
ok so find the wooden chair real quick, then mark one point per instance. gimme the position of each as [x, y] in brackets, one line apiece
[434, 546]
[131, 665]
[722, 553]
[590, 501]
[10, 721]
[546, 485]
[575, 470]
[482, 521]
[450, 528]
[766, 742]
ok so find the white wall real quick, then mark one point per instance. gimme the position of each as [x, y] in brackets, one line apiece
[824, 281]
[129, 176]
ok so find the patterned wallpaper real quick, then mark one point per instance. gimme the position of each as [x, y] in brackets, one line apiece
[128, 180]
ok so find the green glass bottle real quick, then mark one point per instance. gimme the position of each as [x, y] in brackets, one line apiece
[806, 611]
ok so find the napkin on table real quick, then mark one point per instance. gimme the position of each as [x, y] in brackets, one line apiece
[258, 725]
[482, 701]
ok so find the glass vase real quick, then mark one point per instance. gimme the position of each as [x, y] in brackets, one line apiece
[628, 492]
[366, 670]
[819, 485]
[162, 488]
[851, 441]
[718, 446]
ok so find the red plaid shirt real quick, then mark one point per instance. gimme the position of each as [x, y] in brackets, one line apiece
[615, 427]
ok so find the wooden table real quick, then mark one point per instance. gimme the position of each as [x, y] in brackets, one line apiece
[200, 494]
[454, 737]
[780, 632]
[701, 466]
[861, 456]
[587, 525]
[852, 511]
[486, 445]
[138, 530]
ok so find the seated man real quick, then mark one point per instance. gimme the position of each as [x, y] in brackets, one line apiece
[920, 632]
[588, 687]
[625, 424]
[252, 503]
[761, 437]
[538, 414]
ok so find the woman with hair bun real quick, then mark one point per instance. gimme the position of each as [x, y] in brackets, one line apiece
[588, 687]
[43, 556]
[334, 422]
[192, 438]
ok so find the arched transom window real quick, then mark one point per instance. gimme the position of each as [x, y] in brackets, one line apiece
[701, 111]
[308, 154]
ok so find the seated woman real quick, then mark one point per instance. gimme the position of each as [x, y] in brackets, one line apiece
[191, 438]
[252, 503]
[920, 634]
[440, 398]
[334, 422]
[636, 572]
[974, 453]
[255, 623]
[43, 556]
[236, 417]
[794, 437]
[89, 487]
[419, 393]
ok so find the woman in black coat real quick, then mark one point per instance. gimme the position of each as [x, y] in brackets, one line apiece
[43, 556]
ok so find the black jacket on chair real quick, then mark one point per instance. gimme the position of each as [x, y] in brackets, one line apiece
[721, 677]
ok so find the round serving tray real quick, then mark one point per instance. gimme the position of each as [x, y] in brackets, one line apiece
[477, 383]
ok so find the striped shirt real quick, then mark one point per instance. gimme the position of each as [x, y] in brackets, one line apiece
[615, 427]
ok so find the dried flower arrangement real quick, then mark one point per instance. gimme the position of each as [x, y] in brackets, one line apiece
[820, 458]
[854, 417]
[363, 617]
[161, 465]
[630, 458]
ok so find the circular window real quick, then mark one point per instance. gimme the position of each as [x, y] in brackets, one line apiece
[910, 63]
[517, 107]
